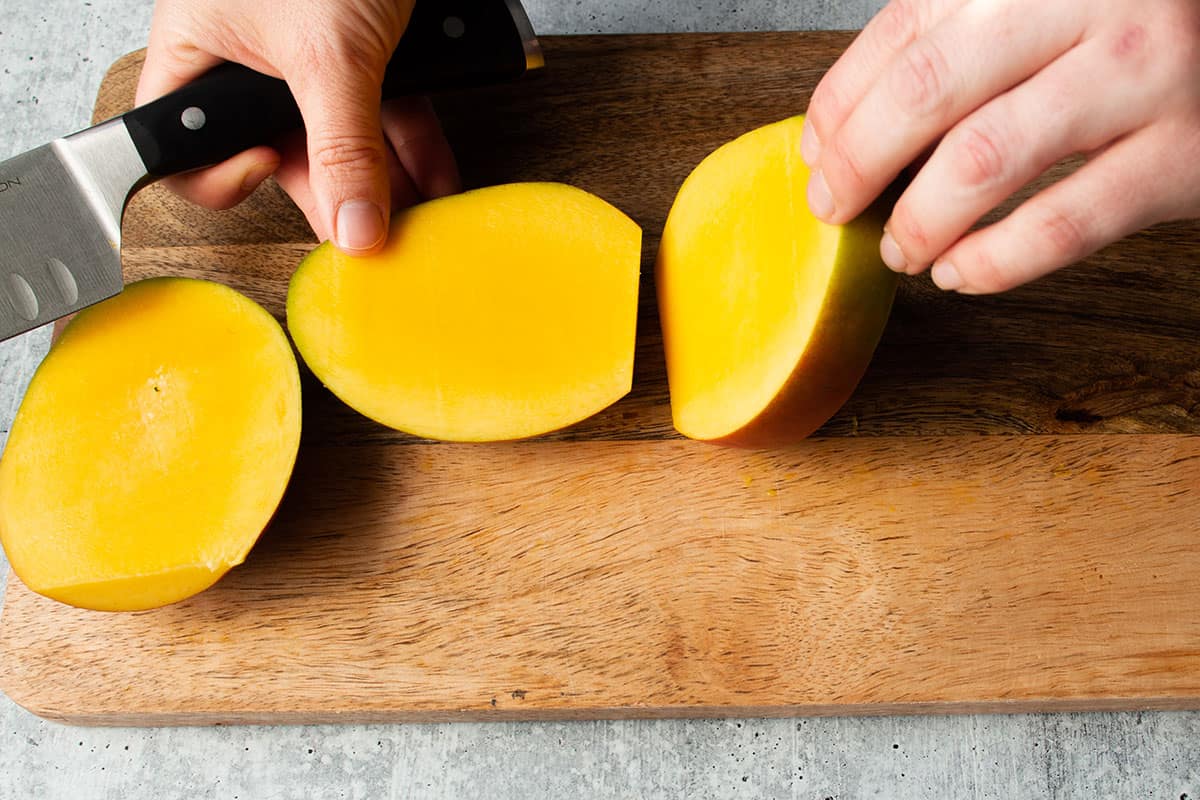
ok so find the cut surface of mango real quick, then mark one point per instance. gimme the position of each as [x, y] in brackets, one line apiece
[500, 313]
[151, 448]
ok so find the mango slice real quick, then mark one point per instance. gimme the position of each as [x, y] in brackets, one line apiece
[151, 448]
[769, 315]
[500, 313]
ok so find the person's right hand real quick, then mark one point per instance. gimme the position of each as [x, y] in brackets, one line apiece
[998, 91]
[359, 161]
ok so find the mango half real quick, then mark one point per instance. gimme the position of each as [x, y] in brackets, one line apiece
[769, 315]
[496, 314]
[152, 447]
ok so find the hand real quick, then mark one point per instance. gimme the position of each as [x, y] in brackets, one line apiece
[1002, 90]
[359, 160]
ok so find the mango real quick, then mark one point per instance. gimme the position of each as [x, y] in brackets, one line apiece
[500, 313]
[152, 447]
[770, 316]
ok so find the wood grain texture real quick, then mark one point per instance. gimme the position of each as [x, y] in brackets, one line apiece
[898, 562]
[579, 579]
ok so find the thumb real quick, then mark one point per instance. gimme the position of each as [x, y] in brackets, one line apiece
[347, 156]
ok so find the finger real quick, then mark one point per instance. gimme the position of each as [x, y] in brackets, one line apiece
[1105, 200]
[347, 156]
[931, 85]
[1010, 141]
[168, 68]
[405, 192]
[412, 128]
[171, 58]
[292, 177]
[843, 86]
[226, 184]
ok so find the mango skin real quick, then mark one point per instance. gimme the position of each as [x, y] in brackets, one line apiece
[843, 342]
[855, 310]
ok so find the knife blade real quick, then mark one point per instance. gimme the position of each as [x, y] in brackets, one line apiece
[61, 204]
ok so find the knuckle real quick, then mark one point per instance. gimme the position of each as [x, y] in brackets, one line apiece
[1163, 49]
[984, 274]
[899, 23]
[846, 167]
[828, 104]
[980, 155]
[360, 57]
[1130, 44]
[920, 80]
[910, 234]
[349, 153]
[182, 56]
[1064, 233]
[313, 53]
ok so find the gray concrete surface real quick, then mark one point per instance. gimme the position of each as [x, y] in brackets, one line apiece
[52, 56]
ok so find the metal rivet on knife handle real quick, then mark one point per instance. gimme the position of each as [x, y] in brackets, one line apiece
[193, 118]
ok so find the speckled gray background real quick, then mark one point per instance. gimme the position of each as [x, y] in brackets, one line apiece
[52, 56]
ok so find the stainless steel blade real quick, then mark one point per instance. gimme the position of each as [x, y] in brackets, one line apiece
[533, 49]
[60, 225]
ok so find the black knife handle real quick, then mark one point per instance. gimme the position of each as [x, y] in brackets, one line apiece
[448, 43]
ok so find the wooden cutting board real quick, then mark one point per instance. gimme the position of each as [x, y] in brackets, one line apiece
[1004, 517]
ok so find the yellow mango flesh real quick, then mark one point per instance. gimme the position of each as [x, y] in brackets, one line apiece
[151, 448]
[497, 314]
[769, 315]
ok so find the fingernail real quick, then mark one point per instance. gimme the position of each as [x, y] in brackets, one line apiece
[358, 226]
[256, 175]
[947, 276]
[891, 253]
[810, 145]
[820, 201]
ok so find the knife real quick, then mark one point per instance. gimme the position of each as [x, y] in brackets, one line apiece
[61, 204]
